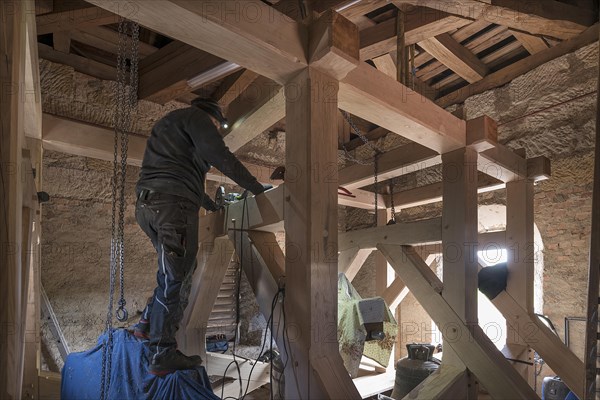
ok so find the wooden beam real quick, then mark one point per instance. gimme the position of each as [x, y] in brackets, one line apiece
[455, 56]
[395, 293]
[441, 384]
[520, 244]
[533, 44]
[408, 233]
[256, 109]
[549, 346]
[477, 45]
[214, 256]
[83, 139]
[32, 87]
[78, 63]
[106, 39]
[334, 45]
[311, 240]
[269, 250]
[547, 17]
[399, 161]
[164, 75]
[468, 341]
[519, 68]
[273, 49]
[15, 17]
[459, 243]
[62, 41]
[233, 86]
[73, 19]
[350, 261]
[502, 163]
[375, 97]
[591, 330]
[432, 193]
[420, 24]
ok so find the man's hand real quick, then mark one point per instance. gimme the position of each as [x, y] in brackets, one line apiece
[209, 204]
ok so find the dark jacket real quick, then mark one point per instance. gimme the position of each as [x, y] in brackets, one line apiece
[181, 149]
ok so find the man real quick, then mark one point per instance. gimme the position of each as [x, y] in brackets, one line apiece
[181, 149]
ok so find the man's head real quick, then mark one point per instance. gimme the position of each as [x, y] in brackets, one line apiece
[212, 108]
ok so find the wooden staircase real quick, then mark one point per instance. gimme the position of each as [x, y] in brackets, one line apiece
[222, 316]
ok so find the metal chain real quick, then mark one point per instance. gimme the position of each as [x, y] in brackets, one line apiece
[393, 211]
[126, 102]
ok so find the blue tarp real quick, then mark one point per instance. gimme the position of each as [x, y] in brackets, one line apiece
[129, 375]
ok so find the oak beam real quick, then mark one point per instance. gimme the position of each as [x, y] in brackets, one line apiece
[73, 19]
[350, 261]
[311, 240]
[468, 341]
[399, 161]
[420, 24]
[256, 109]
[164, 75]
[78, 63]
[254, 41]
[233, 86]
[214, 256]
[445, 383]
[375, 97]
[106, 39]
[539, 17]
[533, 44]
[537, 335]
[507, 74]
[456, 57]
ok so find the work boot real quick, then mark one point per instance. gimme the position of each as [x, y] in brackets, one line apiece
[168, 360]
[141, 330]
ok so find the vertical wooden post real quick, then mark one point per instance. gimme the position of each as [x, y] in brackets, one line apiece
[520, 250]
[311, 237]
[459, 244]
[12, 77]
[591, 338]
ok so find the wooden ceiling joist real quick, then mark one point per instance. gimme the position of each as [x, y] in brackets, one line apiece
[263, 40]
[74, 19]
[521, 67]
[533, 44]
[78, 63]
[455, 56]
[475, 46]
[233, 86]
[260, 106]
[106, 39]
[539, 17]
[164, 75]
[420, 24]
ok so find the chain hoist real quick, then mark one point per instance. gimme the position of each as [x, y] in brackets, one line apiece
[126, 103]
